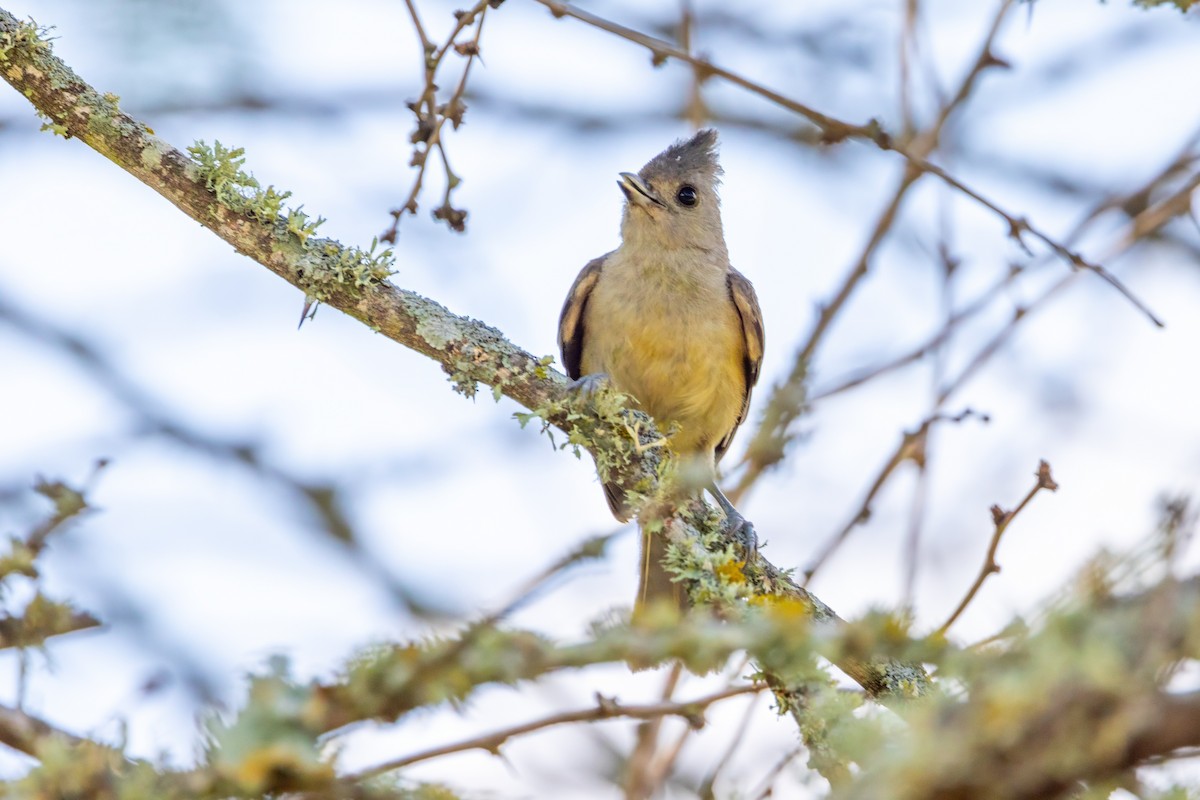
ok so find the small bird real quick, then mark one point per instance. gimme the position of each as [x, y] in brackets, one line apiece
[665, 319]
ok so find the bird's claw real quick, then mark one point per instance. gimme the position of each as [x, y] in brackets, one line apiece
[588, 385]
[742, 530]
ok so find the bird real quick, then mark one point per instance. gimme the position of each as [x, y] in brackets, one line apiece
[667, 320]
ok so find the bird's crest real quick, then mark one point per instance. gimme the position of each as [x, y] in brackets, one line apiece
[687, 157]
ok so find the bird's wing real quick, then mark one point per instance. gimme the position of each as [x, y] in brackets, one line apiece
[571, 334]
[741, 292]
[570, 323]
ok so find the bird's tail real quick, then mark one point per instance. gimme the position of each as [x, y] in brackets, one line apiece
[654, 582]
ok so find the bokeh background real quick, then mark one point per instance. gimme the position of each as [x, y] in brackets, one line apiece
[204, 567]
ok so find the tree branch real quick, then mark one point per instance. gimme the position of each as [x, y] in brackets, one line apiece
[691, 711]
[1001, 519]
[25, 733]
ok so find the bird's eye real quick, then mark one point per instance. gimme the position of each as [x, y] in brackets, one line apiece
[687, 195]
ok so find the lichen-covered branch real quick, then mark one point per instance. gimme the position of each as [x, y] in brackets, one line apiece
[1083, 698]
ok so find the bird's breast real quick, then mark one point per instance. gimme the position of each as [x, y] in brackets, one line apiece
[673, 342]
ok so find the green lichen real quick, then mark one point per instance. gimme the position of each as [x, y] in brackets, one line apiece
[152, 156]
[364, 267]
[327, 265]
[56, 128]
[1182, 5]
[220, 168]
[437, 330]
[102, 123]
[509, 374]
[301, 225]
[28, 36]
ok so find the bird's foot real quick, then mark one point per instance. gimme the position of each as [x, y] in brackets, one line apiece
[742, 530]
[589, 385]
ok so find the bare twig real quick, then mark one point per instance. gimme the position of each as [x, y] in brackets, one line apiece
[930, 345]
[706, 786]
[432, 116]
[1001, 519]
[833, 129]
[606, 708]
[1147, 222]
[788, 399]
[695, 110]
[767, 783]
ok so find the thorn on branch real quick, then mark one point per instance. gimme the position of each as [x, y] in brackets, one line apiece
[423, 131]
[990, 59]
[1017, 227]
[1045, 481]
[877, 134]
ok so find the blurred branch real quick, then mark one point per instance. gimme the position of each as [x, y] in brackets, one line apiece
[212, 192]
[42, 617]
[1001, 519]
[1147, 217]
[26, 733]
[1081, 699]
[40, 620]
[706, 790]
[930, 345]
[692, 711]
[641, 780]
[324, 501]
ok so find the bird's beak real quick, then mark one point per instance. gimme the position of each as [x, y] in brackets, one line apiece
[637, 192]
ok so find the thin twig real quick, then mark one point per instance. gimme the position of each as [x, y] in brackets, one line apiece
[431, 116]
[606, 708]
[664, 761]
[710, 780]
[930, 345]
[921, 486]
[768, 781]
[426, 45]
[1146, 223]
[833, 128]
[1002, 519]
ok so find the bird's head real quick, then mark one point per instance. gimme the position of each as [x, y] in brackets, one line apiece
[671, 203]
